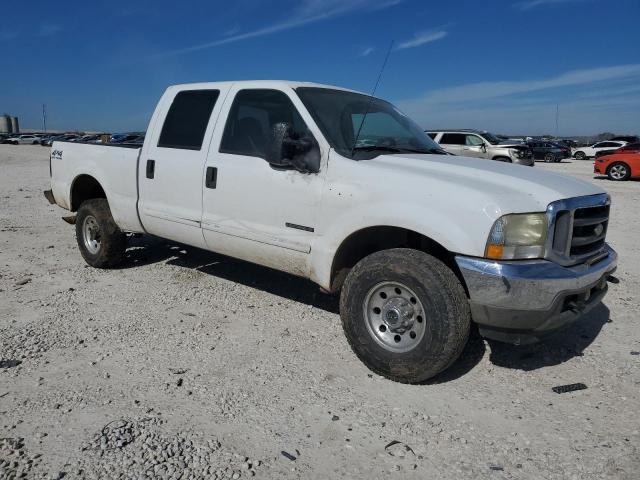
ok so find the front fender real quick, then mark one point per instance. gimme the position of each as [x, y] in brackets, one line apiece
[456, 234]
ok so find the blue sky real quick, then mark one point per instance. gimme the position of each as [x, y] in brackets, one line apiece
[498, 65]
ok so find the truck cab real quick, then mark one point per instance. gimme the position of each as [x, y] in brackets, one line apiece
[341, 188]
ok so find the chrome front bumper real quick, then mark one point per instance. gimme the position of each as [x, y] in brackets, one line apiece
[522, 301]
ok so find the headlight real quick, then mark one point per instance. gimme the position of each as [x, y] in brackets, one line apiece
[517, 236]
[516, 153]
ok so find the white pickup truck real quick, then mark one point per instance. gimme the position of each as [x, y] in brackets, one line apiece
[343, 189]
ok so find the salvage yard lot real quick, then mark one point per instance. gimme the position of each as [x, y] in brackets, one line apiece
[187, 359]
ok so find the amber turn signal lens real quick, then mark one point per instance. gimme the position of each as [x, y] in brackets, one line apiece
[495, 251]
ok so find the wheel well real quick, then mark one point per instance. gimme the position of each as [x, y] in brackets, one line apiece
[618, 162]
[85, 187]
[374, 239]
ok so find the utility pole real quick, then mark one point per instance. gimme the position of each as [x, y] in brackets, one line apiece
[44, 117]
[557, 116]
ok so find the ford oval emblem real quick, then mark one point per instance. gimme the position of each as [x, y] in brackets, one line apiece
[598, 229]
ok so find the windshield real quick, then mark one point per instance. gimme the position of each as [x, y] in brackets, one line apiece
[491, 138]
[340, 115]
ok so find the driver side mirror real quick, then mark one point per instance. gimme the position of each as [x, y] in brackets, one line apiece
[287, 150]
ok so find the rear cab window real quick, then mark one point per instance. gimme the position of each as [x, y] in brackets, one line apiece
[187, 119]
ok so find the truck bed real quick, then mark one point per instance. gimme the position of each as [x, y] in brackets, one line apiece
[114, 167]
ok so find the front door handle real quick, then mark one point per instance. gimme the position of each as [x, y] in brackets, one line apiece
[151, 168]
[211, 178]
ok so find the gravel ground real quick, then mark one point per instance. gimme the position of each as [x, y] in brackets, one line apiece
[188, 363]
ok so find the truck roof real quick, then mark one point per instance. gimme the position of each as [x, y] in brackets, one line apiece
[256, 84]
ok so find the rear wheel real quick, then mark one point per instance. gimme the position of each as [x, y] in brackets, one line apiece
[619, 171]
[580, 156]
[550, 158]
[405, 314]
[102, 244]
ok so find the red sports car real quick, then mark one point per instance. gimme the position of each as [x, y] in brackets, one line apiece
[618, 166]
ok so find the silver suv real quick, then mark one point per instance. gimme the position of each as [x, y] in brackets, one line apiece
[475, 143]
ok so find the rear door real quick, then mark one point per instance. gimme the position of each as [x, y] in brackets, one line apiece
[172, 162]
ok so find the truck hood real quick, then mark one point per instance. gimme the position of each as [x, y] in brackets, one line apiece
[497, 187]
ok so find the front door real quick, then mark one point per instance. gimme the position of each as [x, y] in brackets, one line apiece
[252, 210]
[172, 163]
[474, 147]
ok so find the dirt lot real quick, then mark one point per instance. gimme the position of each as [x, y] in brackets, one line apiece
[184, 361]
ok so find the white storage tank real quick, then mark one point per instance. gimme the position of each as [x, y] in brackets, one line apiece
[15, 127]
[5, 124]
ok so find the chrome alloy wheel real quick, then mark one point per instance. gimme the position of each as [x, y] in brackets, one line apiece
[618, 172]
[394, 316]
[91, 234]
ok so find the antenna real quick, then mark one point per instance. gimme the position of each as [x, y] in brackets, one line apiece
[375, 87]
[557, 116]
[44, 117]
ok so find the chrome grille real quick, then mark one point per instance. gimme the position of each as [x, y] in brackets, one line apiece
[578, 229]
[589, 230]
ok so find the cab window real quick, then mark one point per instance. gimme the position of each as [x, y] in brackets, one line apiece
[187, 119]
[251, 120]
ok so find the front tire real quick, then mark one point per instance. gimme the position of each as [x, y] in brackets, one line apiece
[102, 244]
[580, 156]
[550, 158]
[619, 171]
[405, 314]
[503, 159]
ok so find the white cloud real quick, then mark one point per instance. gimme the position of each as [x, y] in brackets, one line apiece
[309, 11]
[590, 100]
[488, 90]
[531, 4]
[422, 38]
[367, 51]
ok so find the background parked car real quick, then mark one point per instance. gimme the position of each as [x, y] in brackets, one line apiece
[618, 166]
[548, 151]
[582, 153]
[89, 138]
[476, 143]
[630, 147]
[57, 138]
[139, 140]
[567, 142]
[26, 139]
[124, 137]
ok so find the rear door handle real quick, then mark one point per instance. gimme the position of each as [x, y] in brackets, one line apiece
[151, 168]
[211, 178]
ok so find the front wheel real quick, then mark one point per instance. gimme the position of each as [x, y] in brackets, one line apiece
[405, 314]
[102, 244]
[550, 158]
[580, 156]
[619, 171]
